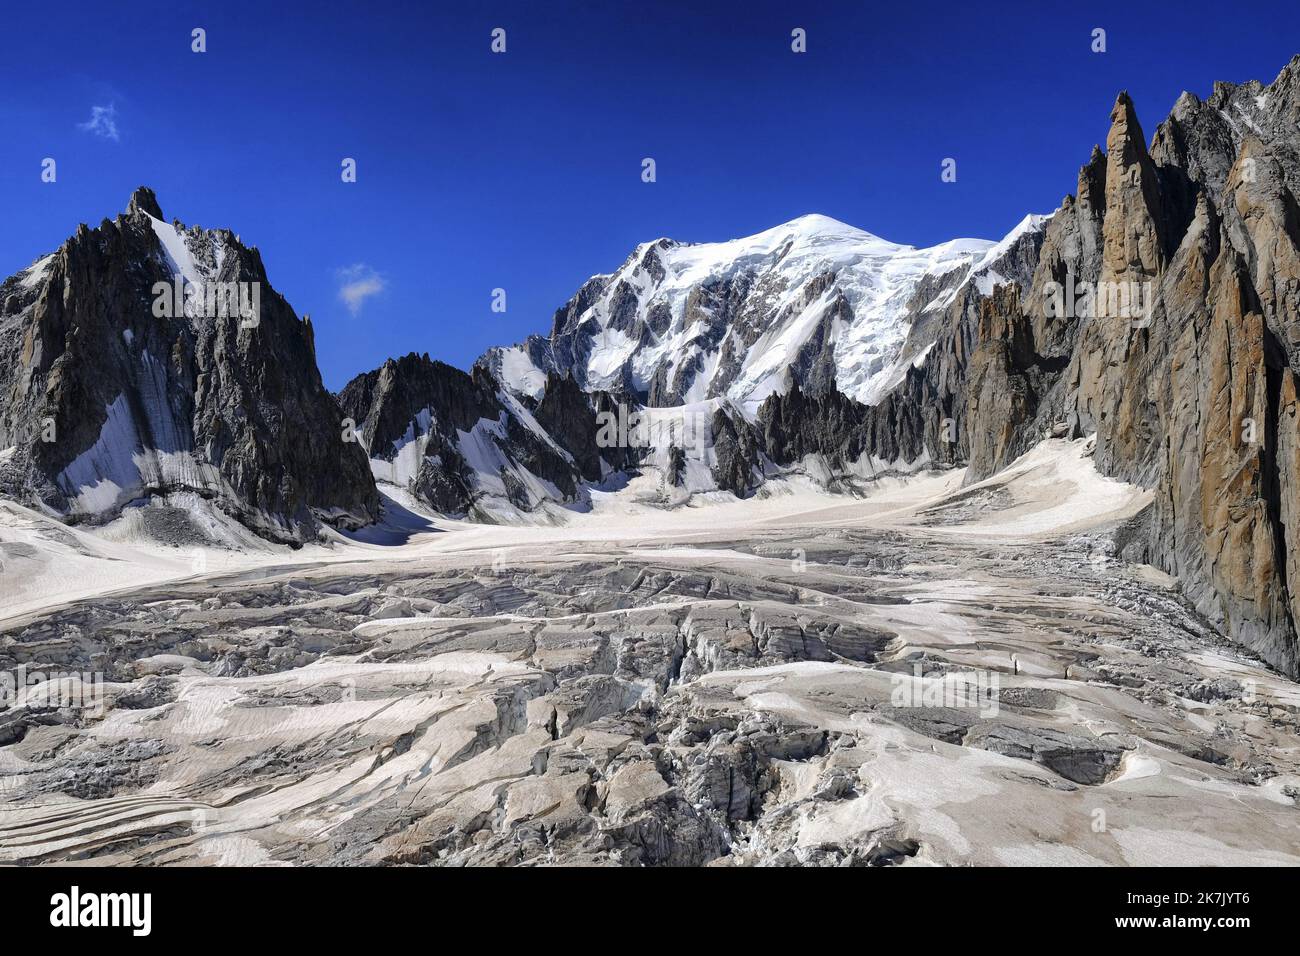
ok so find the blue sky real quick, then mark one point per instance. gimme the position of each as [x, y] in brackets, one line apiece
[523, 171]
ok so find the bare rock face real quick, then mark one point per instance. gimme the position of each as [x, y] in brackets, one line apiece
[1177, 345]
[738, 453]
[1111, 349]
[1133, 233]
[1219, 488]
[1204, 377]
[1002, 387]
[1288, 490]
[113, 389]
[571, 417]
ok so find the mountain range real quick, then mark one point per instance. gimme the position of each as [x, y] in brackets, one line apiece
[1157, 311]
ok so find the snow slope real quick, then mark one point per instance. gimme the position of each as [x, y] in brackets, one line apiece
[1052, 490]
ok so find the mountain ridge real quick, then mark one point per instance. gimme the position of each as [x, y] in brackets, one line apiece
[682, 322]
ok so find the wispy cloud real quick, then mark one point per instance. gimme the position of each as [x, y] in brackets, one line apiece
[102, 122]
[357, 283]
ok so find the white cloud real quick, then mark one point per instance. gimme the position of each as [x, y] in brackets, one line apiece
[357, 283]
[102, 122]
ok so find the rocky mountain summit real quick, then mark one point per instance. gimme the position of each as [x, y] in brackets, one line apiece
[142, 359]
[686, 340]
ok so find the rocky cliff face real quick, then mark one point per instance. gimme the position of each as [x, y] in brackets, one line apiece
[1163, 315]
[143, 359]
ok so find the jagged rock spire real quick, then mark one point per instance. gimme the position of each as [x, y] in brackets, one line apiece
[143, 200]
[1134, 240]
[1092, 184]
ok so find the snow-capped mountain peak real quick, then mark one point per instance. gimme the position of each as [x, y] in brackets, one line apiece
[813, 300]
